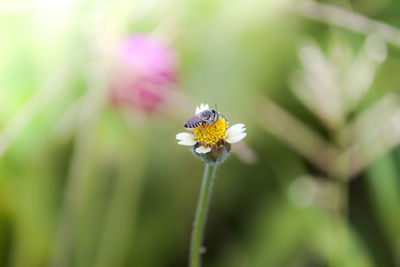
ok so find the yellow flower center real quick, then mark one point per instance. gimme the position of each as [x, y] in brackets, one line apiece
[209, 135]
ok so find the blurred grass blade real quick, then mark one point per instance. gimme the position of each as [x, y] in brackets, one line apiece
[52, 88]
[119, 227]
[359, 77]
[374, 144]
[383, 187]
[347, 20]
[317, 86]
[314, 237]
[78, 171]
[303, 139]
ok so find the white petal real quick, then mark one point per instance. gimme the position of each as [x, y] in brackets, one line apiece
[236, 138]
[184, 136]
[186, 139]
[237, 126]
[235, 129]
[203, 150]
[187, 143]
[201, 108]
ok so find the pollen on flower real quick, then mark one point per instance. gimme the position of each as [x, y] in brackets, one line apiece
[210, 135]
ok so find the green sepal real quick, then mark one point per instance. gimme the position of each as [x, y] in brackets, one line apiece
[217, 155]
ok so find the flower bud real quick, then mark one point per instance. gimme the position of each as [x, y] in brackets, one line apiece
[146, 72]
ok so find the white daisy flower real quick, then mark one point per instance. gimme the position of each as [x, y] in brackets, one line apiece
[212, 136]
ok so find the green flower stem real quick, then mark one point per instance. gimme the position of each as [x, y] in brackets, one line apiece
[201, 215]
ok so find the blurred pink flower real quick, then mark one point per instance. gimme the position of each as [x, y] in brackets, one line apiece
[146, 72]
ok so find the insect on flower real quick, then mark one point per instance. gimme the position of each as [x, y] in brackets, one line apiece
[209, 117]
[210, 134]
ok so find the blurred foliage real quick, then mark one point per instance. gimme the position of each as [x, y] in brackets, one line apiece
[83, 183]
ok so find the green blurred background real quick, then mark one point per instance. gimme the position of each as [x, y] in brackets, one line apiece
[84, 182]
